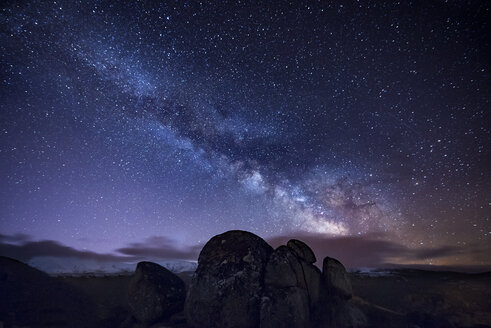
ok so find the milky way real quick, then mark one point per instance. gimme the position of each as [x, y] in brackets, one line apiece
[123, 121]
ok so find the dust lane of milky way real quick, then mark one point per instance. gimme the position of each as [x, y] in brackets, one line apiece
[125, 123]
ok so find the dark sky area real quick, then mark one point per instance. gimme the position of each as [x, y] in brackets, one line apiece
[134, 129]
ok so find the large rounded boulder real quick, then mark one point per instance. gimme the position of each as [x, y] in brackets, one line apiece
[227, 286]
[155, 293]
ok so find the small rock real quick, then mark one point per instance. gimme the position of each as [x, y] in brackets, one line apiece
[335, 279]
[302, 250]
[155, 293]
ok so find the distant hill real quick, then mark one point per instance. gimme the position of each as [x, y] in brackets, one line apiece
[77, 267]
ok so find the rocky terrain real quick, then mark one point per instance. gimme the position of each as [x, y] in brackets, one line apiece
[241, 281]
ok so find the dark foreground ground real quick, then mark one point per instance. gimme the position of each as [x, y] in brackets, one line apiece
[462, 299]
[30, 298]
[109, 295]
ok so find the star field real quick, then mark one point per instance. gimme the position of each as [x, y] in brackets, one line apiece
[126, 120]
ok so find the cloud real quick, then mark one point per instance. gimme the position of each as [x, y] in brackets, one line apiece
[378, 250]
[160, 247]
[26, 250]
[23, 248]
[371, 250]
[17, 238]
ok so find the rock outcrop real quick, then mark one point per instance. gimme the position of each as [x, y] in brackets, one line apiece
[241, 282]
[227, 287]
[155, 293]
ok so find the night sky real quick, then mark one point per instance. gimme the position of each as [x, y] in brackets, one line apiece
[140, 126]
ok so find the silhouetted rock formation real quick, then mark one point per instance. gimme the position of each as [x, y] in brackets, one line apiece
[227, 287]
[155, 293]
[242, 282]
[31, 298]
